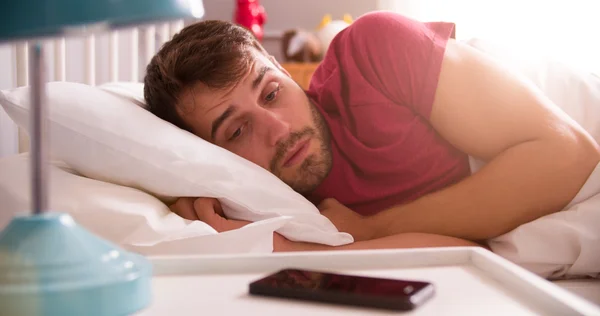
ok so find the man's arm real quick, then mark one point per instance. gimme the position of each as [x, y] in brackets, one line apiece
[399, 241]
[538, 158]
[209, 211]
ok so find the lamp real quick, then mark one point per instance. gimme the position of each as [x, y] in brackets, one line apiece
[48, 264]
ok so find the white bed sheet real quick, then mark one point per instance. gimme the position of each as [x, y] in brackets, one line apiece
[561, 245]
[588, 289]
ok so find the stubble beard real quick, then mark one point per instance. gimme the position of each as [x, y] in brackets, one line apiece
[315, 168]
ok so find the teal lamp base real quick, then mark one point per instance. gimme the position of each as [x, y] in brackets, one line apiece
[51, 266]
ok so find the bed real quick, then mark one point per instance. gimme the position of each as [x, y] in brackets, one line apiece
[115, 184]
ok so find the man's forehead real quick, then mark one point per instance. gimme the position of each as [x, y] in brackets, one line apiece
[199, 95]
[199, 104]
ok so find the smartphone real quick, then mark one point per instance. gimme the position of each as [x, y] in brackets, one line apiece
[391, 294]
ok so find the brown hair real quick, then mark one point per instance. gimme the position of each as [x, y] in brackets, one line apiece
[215, 53]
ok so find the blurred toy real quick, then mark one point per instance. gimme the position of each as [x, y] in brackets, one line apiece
[303, 46]
[328, 29]
[251, 15]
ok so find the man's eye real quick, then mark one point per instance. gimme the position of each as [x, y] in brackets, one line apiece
[238, 132]
[271, 96]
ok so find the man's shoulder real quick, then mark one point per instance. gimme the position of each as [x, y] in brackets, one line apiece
[379, 27]
[381, 35]
[380, 24]
[377, 19]
[366, 34]
[352, 47]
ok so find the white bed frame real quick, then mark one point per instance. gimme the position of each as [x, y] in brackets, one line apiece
[143, 44]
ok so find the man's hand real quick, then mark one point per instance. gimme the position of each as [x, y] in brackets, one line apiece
[207, 210]
[346, 220]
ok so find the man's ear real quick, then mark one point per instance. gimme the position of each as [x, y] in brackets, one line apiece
[276, 63]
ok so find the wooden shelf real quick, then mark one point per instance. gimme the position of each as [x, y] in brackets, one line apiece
[301, 72]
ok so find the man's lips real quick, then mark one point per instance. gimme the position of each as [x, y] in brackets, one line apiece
[296, 153]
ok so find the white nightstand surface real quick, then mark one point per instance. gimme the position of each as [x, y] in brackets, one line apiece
[468, 282]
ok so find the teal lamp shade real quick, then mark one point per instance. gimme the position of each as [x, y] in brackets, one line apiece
[21, 19]
[48, 264]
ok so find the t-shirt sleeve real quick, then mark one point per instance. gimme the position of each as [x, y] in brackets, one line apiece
[399, 56]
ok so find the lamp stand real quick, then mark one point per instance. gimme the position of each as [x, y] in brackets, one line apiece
[38, 133]
[49, 265]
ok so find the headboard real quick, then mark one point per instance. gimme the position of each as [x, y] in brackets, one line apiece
[121, 56]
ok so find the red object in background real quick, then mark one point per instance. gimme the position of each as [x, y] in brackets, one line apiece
[251, 15]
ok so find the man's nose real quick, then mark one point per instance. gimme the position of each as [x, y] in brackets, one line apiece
[275, 127]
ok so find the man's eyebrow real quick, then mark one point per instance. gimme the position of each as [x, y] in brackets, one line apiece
[260, 77]
[219, 121]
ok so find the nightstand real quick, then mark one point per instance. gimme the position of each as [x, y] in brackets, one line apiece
[467, 281]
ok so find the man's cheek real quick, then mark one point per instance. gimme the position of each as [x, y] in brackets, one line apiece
[260, 158]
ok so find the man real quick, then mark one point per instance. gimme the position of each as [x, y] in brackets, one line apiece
[380, 141]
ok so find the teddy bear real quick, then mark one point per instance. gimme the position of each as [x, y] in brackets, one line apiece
[300, 45]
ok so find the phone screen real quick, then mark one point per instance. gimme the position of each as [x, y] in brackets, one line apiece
[344, 289]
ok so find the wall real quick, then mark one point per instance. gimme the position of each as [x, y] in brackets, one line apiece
[559, 30]
[286, 14]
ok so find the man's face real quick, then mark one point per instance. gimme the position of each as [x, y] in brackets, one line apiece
[267, 119]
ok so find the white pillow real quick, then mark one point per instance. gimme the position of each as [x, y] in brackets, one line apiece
[106, 136]
[132, 91]
[125, 216]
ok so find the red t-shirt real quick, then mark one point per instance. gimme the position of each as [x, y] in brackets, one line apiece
[375, 88]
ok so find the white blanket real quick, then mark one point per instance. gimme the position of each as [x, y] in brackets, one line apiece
[565, 244]
[561, 245]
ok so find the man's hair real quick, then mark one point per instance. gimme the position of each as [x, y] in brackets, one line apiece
[214, 53]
